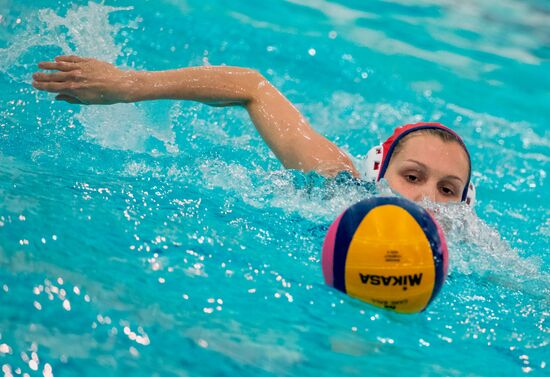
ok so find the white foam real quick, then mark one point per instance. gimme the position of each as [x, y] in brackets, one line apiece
[310, 196]
[477, 248]
[84, 30]
[87, 31]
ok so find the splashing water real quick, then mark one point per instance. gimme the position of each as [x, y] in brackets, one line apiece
[86, 31]
[131, 231]
[477, 248]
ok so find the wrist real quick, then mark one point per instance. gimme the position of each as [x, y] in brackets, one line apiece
[131, 86]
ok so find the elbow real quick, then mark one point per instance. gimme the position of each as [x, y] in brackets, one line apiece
[256, 77]
[258, 85]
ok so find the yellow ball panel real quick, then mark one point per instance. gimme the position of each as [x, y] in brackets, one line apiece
[390, 261]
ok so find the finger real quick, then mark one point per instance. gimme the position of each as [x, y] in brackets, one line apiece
[66, 98]
[53, 87]
[59, 66]
[69, 58]
[57, 76]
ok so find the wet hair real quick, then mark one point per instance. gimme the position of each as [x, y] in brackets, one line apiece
[445, 136]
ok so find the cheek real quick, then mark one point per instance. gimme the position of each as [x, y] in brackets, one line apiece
[400, 185]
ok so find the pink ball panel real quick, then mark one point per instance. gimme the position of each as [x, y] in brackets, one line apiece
[328, 251]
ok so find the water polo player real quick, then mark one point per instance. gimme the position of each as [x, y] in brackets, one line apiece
[418, 160]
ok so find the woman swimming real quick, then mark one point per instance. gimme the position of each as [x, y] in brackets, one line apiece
[418, 160]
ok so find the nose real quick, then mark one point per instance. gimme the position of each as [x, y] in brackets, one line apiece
[426, 191]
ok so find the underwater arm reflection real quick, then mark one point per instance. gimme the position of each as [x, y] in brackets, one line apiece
[285, 130]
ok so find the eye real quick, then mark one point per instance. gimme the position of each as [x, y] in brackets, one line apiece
[447, 191]
[412, 178]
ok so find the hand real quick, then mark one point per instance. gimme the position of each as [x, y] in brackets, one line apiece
[84, 81]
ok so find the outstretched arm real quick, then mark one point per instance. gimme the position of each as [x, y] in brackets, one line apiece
[281, 125]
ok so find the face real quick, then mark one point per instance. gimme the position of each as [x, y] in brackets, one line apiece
[427, 166]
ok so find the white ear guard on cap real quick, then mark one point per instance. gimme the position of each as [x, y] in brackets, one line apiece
[471, 195]
[371, 165]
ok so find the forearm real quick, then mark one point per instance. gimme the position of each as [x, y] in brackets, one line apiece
[211, 85]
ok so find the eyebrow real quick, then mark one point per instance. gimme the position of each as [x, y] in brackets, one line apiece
[424, 166]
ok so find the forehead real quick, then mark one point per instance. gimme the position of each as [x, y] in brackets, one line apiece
[447, 157]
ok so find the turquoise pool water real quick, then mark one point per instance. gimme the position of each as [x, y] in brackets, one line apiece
[164, 239]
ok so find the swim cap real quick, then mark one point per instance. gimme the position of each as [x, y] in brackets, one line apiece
[388, 252]
[378, 158]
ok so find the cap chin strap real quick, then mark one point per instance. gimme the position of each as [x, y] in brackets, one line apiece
[370, 170]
